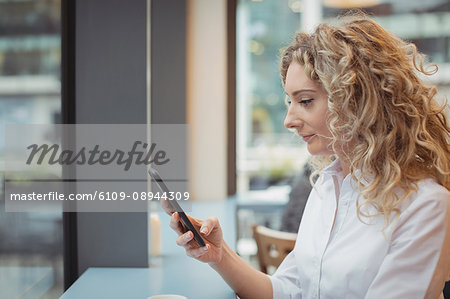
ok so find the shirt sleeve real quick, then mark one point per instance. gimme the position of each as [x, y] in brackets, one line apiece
[285, 282]
[418, 260]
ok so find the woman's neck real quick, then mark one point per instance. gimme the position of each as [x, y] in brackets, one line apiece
[345, 165]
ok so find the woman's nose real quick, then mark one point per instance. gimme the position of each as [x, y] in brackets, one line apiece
[292, 120]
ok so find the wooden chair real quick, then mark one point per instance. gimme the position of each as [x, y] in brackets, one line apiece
[273, 246]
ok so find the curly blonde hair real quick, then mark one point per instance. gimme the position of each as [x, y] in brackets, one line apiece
[376, 100]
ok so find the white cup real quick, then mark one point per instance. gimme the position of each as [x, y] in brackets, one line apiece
[167, 297]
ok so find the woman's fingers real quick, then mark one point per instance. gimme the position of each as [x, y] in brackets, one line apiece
[175, 224]
[185, 238]
[208, 225]
[198, 251]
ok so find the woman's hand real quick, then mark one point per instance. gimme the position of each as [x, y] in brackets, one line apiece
[237, 273]
[209, 230]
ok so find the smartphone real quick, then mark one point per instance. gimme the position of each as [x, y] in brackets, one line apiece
[184, 219]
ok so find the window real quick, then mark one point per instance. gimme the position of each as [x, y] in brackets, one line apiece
[267, 153]
[31, 262]
[425, 23]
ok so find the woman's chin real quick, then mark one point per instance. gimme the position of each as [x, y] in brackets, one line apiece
[317, 150]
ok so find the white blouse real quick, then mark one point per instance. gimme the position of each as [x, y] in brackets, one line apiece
[338, 256]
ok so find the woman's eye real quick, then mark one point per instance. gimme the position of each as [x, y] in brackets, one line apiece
[305, 102]
[288, 101]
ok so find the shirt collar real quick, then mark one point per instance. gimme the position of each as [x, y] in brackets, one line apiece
[334, 168]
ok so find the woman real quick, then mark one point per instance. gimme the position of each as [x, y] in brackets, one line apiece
[376, 224]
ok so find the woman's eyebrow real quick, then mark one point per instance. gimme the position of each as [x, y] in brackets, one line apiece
[295, 93]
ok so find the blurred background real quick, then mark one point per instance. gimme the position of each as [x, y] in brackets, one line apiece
[30, 92]
[268, 161]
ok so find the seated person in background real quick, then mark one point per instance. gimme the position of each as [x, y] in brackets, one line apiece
[293, 211]
[377, 221]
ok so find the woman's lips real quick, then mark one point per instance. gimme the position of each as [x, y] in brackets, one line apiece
[307, 137]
